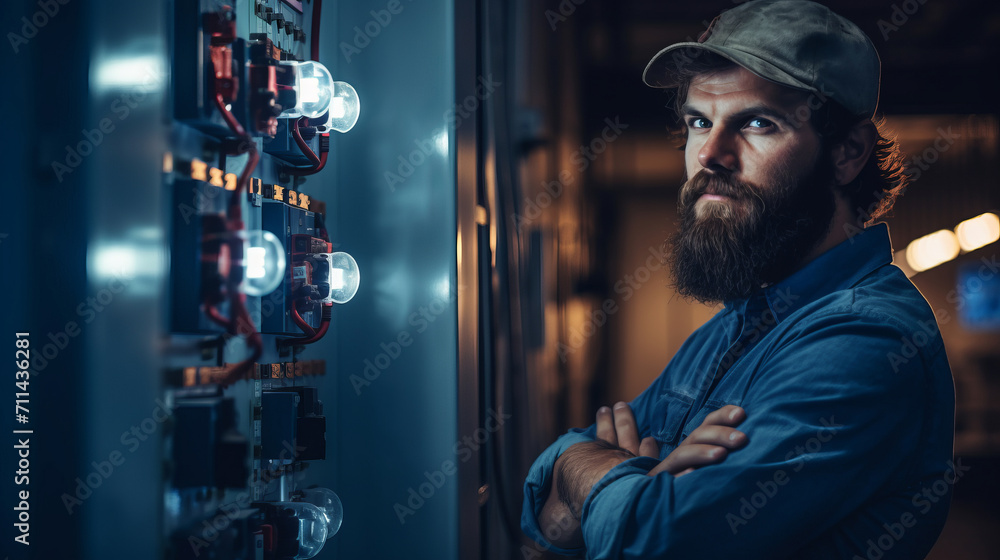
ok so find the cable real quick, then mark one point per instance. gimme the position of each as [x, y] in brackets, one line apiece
[235, 211]
[324, 326]
[213, 313]
[306, 150]
[318, 162]
[240, 321]
[297, 318]
[298, 171]
[244, 323]
[314, 37]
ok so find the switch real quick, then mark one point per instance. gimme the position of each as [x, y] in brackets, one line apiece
[208, 450]
[310, 424]
[278, 423]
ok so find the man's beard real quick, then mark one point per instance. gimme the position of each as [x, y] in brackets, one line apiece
[759, 236]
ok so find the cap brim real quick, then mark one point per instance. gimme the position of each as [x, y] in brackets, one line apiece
[666, 67]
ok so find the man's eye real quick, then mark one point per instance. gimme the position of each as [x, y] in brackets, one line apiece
[759, 123]
[699, 122]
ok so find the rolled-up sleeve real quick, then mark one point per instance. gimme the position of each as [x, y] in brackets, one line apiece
[538, 482]
[829, 421]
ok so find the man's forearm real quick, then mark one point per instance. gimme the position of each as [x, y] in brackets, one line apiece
[576, 471]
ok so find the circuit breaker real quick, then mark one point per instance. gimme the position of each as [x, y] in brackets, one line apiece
[254, 279]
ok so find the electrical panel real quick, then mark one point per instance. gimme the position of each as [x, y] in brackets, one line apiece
[254, 279]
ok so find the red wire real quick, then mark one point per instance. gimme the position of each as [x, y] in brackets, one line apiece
[242, 185]
[306, 327]
[314, 39]
[228, 116]
[297, 171]
[320, 333]
[237, 300]
[323, 327]
[235, 208]
[240, 370]
[306, 150]
[214, 315]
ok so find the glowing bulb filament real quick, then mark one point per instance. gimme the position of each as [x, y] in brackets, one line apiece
[337, 279]
[338, 109]
[309, 90]
[255, 262]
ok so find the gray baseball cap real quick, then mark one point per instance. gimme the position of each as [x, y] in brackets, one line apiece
[796, 43]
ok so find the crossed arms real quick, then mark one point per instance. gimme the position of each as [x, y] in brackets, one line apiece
[581, 466]
[838, 443]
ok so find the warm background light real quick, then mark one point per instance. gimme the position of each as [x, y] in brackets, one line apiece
[978, 232]
[932, 250]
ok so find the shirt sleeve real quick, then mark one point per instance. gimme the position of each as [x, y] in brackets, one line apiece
[538, 482]
[829, 420]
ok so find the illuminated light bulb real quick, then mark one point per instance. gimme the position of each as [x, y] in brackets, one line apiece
[313, 89]
[264, 259]
[931, 250]
[312, 526]
[336, 275]
[345, 278]
[329, 503]
[345, 107]
[978, 232]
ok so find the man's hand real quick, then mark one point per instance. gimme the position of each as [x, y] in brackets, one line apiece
[584, 464]
[708, 444]
[619, 428]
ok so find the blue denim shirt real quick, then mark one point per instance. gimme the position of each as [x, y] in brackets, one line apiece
[850, 416]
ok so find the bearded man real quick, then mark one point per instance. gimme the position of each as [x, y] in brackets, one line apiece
[844, 447]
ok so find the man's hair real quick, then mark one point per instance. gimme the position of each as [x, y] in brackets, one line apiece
[881, 181]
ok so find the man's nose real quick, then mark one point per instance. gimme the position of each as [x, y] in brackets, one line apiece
[718, 153]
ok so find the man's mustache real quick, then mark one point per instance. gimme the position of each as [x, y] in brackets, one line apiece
[707, 182]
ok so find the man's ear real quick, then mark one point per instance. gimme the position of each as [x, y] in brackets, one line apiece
[850, 156]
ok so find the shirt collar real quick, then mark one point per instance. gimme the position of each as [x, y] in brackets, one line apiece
[839, 268]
